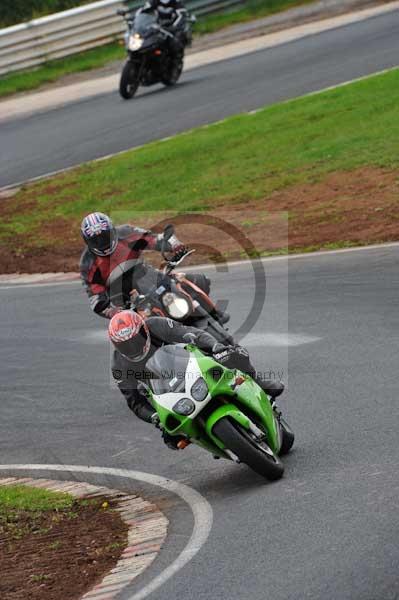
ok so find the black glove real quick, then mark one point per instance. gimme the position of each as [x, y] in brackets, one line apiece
[179, 253]
[155, 420]
[221, 351]
[171, 440]
[190, 338]
[233, 357]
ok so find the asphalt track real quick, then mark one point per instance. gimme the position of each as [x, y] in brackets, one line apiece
[92, 128]
[329, 528]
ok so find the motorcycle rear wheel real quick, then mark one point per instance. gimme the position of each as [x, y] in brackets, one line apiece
[130, 80]
[250, 451]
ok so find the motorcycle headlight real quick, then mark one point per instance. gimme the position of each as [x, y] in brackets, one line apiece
[184, 407]
[176, 306]
[135, 42]
[199, 390]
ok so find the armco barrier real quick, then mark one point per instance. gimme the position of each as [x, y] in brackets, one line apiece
[71, 31]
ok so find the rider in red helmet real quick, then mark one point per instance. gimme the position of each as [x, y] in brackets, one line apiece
[136, 340]
[130, 335]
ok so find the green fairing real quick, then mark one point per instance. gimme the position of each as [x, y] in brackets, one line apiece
[228, 410]
[248, 394]
[187, 427]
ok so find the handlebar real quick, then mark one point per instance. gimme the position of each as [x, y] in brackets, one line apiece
[172, 264]
[140, 299]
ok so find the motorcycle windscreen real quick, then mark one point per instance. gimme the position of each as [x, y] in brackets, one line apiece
[132, 274]
[143, 22]
[169, 365]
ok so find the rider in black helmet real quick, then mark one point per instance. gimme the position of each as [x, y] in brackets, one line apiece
[172, 15]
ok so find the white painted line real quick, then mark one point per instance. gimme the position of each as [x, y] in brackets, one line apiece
[278, 340]
[237, 263]
[13, 286]
[201, 509]
[42, 277]
[128, 450]
[330, 88]
[41, 101]
[270, 340]
[99, 336]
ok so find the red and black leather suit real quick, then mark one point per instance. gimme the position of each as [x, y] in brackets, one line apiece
[99, 272]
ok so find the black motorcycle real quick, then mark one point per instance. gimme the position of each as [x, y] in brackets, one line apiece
[155, 55]
[178, 298]
[150, 292]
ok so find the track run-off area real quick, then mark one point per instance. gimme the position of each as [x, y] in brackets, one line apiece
[329, 528]
[104, 124]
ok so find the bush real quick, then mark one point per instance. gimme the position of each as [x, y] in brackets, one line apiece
[16, 11]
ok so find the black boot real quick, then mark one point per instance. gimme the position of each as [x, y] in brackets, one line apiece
[174, 442]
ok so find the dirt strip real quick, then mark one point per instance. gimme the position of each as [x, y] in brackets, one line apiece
[45, 568]
[344, 209]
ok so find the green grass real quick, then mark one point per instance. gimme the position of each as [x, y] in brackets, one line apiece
[53, 70]
[99, 57]
[20, 497]
[245, 157]
[13, 12]
[254, 9]
[19, 501]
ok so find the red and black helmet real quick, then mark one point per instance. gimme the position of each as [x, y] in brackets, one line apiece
[130, 335]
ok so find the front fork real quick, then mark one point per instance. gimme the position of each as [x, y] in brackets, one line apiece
[222, 334]
[139, 60]
[215, 327]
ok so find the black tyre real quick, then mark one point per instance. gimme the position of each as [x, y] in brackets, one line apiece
[172, 74]
[257, 455]
[288, 437]
[130, 80]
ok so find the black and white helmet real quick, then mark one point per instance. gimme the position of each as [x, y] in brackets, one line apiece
[166, 7]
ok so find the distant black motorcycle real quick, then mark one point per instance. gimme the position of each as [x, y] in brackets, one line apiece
[155, 55]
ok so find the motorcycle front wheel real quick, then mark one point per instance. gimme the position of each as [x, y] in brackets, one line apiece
[257, 455]
[174, 71]
[130, 80]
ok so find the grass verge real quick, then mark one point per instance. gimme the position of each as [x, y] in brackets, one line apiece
[48, 537]
[54, 70]
[315, 158]
[254, 9]
[98, 57]
[20, 497]
[22, 508]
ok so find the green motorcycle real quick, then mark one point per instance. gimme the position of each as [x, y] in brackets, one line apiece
[222, 410]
